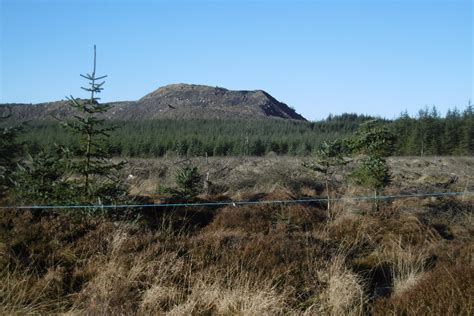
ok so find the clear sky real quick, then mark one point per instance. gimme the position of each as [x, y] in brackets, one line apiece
[328, 56]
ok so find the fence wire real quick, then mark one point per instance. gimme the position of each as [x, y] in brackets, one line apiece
[239, 203]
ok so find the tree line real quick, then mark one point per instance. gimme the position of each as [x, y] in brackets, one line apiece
[431, 134]
[427, 133]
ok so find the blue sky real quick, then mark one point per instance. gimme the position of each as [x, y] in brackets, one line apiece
[320, 57]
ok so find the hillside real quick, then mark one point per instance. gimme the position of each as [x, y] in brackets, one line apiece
[176, 101]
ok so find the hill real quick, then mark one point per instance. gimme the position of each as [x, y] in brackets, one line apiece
[176, 101]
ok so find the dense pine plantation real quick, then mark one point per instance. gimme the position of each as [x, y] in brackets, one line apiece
[426, 134]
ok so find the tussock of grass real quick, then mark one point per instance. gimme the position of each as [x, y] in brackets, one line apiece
[240, 294]
[24, 292]
[345, 291]
[407, 265]
[442, 291]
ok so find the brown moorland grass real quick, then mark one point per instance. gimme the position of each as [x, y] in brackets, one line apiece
[442, 291]
[413, 257]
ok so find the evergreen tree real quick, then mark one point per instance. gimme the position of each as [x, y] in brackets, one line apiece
[189, 182]
[10, 150]
[374, 139]
[97, 182]
[373, 173]
[403, 127]
[467, 137]
[328, 156]
[375, 142]
[452, 133]
[43, 179]
[421, 130]
[427, 133]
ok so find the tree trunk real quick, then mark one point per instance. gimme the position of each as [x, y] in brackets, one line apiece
[88, 161]
[376, 200]
[327, 194]
[422, 152]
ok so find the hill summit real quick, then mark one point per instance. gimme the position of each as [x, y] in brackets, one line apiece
[175, 101]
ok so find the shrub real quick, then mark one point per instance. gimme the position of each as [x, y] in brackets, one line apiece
[10, 150]
[189, 182]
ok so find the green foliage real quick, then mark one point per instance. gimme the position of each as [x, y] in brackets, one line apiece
[97, 182]
[452, 132]
[374, 139]
[10, 150]
[78, 172]
[42, 180]
[188, 184]
[198, 137]
[375, 142]
[328, 156]
[467, 131]
[428, 132]
[373, 173]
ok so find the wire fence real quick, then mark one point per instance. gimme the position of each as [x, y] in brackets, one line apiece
[240, 203]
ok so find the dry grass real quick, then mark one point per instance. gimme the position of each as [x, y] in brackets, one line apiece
[345, 293]
[442, 291]
[407, 265]
[239, 294]
[234, 176]
[248, 260]
[24, 292]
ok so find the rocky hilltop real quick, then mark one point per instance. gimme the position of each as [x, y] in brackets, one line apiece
[176, 101]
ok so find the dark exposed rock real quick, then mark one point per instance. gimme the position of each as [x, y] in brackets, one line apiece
[176, 101]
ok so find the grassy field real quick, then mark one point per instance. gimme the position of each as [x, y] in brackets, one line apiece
[413, 256]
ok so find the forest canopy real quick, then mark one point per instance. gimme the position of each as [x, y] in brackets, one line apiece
[428, 133]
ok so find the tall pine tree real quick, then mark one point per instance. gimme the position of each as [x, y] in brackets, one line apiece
[98, 181]
[452, 133]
